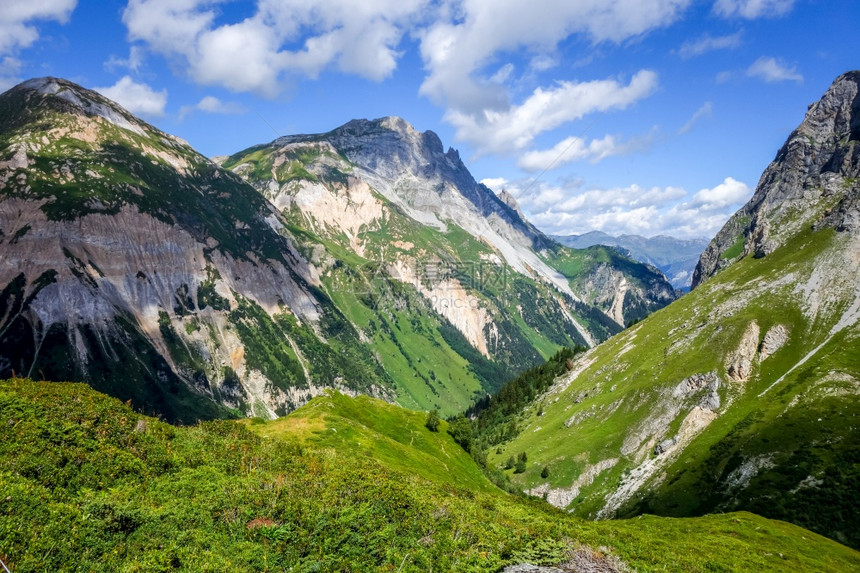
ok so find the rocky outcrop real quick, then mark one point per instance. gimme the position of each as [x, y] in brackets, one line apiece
[511, 202]
[665, 446]
[578, 559]
[563, 497]
[774, 339]
[812, 181]
[739, 362]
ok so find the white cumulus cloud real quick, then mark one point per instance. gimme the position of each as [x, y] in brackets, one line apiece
[514, 128]
[136, 97]
[772, 70]
[461, 48]
[728, 193]
[18, 18]
[19, 29]
[572, 208]
[456, 48]
[281, 37]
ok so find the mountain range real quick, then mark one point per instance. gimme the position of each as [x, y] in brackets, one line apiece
[365, 259]
[677, 258]
[315, 285]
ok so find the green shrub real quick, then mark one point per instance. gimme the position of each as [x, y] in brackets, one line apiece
[432, 422]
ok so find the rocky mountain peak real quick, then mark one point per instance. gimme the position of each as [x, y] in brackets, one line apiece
[375, 140]
[510, 201]
[812, 181]
[65, 96]
[837, 113]
[412, 169]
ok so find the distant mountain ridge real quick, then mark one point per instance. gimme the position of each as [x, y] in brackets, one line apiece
[677, 258]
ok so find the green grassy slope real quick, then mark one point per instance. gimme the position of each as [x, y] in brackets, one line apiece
[87, 484]
[374, 430]
[785, 442]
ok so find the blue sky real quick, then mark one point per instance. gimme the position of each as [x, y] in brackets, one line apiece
[626, 116]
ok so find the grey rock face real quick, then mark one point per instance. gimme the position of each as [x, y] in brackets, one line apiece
[774, 339]
[511, 202]
[739, 364]
[694, 384]
[580, 559]
[697, 382]
[529, 568]
[811, 182]
[664, 446]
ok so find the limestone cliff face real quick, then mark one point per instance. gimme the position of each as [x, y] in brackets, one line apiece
[812, 181]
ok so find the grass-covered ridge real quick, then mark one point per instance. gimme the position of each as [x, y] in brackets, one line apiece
[87, 484]
[374, 430]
